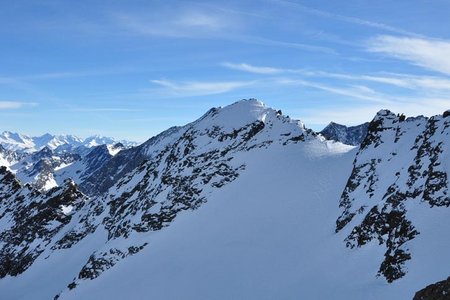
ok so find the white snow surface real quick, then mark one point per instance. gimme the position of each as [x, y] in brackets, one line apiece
[273, 239]
[4, 161]
[269, 234]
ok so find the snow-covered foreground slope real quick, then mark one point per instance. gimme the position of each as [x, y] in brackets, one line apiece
[244, 242]
[273, 240]
[243, 203]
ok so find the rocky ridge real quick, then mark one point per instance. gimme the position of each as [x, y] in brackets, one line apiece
[400, 161]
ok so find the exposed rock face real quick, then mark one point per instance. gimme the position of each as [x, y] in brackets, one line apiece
[400, 160]
[437, 291]
[353, 135]
[84, 166]
[100, 180]
[39, 167]
[9, 157]
[33, 219]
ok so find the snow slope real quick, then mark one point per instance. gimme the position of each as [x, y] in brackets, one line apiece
[273, 240]
[243, 203]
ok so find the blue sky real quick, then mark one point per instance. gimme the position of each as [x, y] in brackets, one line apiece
[131, 69]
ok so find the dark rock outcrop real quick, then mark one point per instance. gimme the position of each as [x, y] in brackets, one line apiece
[437, 291]
[353, 135]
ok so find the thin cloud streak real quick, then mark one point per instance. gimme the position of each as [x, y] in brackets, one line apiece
[65, 74]
[356, 91]
[4, 105]
[198, 88]
[269, 42]
[203, 24]
[106, 109]
[426, 53]
[400, 80]
[252, 69]
[179, 24]
[347, 19]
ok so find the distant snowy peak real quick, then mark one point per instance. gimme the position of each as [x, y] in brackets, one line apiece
[60, 143]
[9, 157]
[353, 135]
[97, 140]
[59, 140]
[15, 141]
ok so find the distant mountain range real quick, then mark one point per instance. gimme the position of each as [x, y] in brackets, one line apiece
[19, 142]
[243, 203]
[46, 161]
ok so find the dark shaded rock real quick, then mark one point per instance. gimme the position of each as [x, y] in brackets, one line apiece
[437, 291]
[446, 113]
[353, 135]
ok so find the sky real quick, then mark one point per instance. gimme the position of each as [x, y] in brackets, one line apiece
[131, 69]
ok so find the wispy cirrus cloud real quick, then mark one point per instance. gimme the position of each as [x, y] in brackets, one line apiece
[276, 43]
[105, 109]
[367, 102]
[204, 23]
[347, 19]
[415, 82]
[360, 92]
[252, 69]
[427, 53]
[66, 74]
[199, 88]
[187, 23]
[4, 105]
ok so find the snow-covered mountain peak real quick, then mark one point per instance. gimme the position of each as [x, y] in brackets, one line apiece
[15, 141]
[236, 115]
[388, 117]
[116, 148]
[243, 113]
[14, 136]
[64, 139]
[384, 113]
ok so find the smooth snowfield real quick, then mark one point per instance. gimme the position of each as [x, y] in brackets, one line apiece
[268, 235]
[273, 239]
